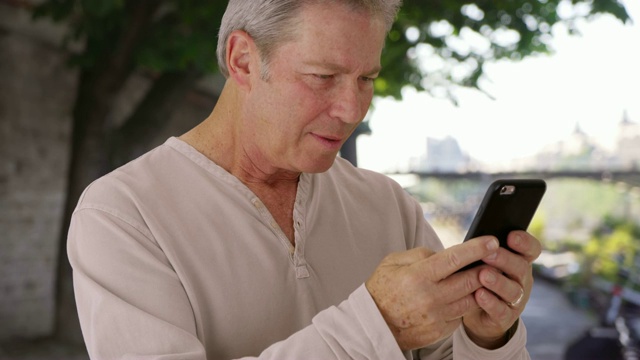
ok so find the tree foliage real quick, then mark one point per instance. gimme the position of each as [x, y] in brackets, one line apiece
[436, 46]
[614, 247]
[456, 37]
[175, 35]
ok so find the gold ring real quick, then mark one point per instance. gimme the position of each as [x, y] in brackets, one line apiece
[518, 300]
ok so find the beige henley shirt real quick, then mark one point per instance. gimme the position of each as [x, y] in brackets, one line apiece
[175, 258]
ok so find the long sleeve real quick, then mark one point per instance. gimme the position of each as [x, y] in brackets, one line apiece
[130, 302]
[353, 330]
[460, 346]
[464, 348]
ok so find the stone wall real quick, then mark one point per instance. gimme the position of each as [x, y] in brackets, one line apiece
[36, 94]
[37, 91]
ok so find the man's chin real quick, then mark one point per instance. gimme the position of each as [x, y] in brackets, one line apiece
[320, 165]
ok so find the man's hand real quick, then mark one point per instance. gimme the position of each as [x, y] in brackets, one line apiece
[506, 287]
[423, 299]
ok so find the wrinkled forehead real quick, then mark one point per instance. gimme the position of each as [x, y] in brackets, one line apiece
[343, 38]
[350, 8]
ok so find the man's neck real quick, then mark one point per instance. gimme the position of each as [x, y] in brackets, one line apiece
[219, 138]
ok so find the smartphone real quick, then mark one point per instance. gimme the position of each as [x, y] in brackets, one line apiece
[508, 205]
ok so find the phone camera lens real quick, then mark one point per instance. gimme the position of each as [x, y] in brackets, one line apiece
[507, 190]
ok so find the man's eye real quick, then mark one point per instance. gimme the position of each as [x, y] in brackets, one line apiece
[367, 79]
[323, 76]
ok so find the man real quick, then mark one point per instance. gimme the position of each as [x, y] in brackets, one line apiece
[246, 236]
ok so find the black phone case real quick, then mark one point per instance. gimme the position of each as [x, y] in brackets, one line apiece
[499, 214]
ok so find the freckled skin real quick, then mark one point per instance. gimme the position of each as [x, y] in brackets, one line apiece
[423, 298]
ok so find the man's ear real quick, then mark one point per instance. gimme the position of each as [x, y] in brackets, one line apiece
[241, 52]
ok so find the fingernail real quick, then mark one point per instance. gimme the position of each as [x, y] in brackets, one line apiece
[491, 257]
[482, 294]
[490, 278]
[493, 244]
[517, 240]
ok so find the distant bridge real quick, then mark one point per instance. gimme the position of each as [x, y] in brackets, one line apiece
[629, 177]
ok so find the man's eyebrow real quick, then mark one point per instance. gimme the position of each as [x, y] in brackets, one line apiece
[341, 69]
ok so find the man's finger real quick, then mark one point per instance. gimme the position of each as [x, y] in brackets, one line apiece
[407, 257]
[448, 261]
[525, 244]
[459, 308]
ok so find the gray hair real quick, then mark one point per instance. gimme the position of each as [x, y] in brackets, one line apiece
[272, 22]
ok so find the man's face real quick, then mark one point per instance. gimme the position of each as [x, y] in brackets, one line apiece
[319, 89]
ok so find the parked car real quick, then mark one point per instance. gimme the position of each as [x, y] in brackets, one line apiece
[556, 266]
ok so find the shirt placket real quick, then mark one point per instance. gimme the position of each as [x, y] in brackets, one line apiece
[295, 252]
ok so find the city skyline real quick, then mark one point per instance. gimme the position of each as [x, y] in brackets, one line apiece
[578, 151]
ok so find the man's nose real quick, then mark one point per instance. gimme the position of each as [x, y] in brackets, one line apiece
[348, 103]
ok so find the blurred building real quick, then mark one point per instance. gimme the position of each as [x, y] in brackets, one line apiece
[578, 151]
[627, 152]
[442, 155]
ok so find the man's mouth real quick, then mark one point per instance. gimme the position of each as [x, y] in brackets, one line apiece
[329, 140]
